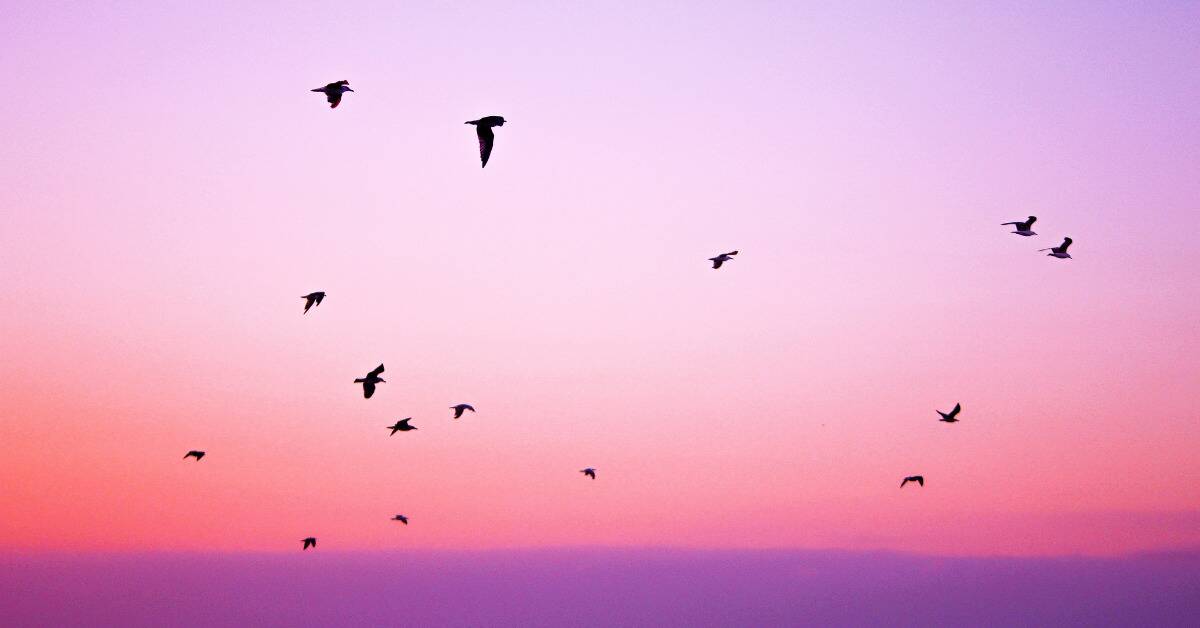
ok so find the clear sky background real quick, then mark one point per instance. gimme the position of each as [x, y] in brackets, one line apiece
[171, 187]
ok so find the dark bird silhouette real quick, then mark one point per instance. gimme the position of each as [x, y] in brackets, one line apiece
[194, 454]
[1060, 251]
[1023, 227]
[722, 258]
[919, 479]
[401, 519]
[590, 472]
[401, 426]
[333, 92]
[460, 408]
[483, 128]
[312, 299]
[309, 542]
[950, 417]
[370, 380]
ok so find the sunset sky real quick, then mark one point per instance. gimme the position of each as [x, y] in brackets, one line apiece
[170, 188]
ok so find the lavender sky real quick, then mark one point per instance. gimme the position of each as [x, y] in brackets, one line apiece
[170, 188]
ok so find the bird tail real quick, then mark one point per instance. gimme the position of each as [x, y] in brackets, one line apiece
[359, 381]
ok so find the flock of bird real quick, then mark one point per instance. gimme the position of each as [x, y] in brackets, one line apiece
[487, 137]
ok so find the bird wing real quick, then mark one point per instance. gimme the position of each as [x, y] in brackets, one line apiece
[486, 139]
[921, 480]
[717, 262]
[458, 411]
[308, 302]
[320, 297]
[1010, 223]
[334, 98]
[377, 371]
[903, 482]
[368, 389]
[1066, 242]
[956, 410]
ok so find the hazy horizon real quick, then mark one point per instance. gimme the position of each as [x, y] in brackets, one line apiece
[600, 587]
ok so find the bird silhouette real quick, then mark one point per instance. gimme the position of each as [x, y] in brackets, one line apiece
[312, 299]
[590, 472]
[919, 479]
[950, 417]
[1060, 251]
[460, 408]
[722, 258]
[194, 454]
[1023, 227]
[309, 542]
[401, 519]
[370, 380]
[483, 128]
[333, 92]
[401, 426]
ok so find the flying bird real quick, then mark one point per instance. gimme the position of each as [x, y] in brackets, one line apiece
[460, 408]
[401, 519]
[590, 472]
[950, 417]
[309, 542]
[370, 380]
[194, 454]
[722, 258]
[919, 479]
[312, 299]
[401, 426]
[1023, 227]
[333, 92]
[483, 128]
[1060, 251]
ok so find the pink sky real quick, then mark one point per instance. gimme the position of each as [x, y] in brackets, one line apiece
[170, 187]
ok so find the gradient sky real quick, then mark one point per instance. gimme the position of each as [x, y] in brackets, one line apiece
[170, 187]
